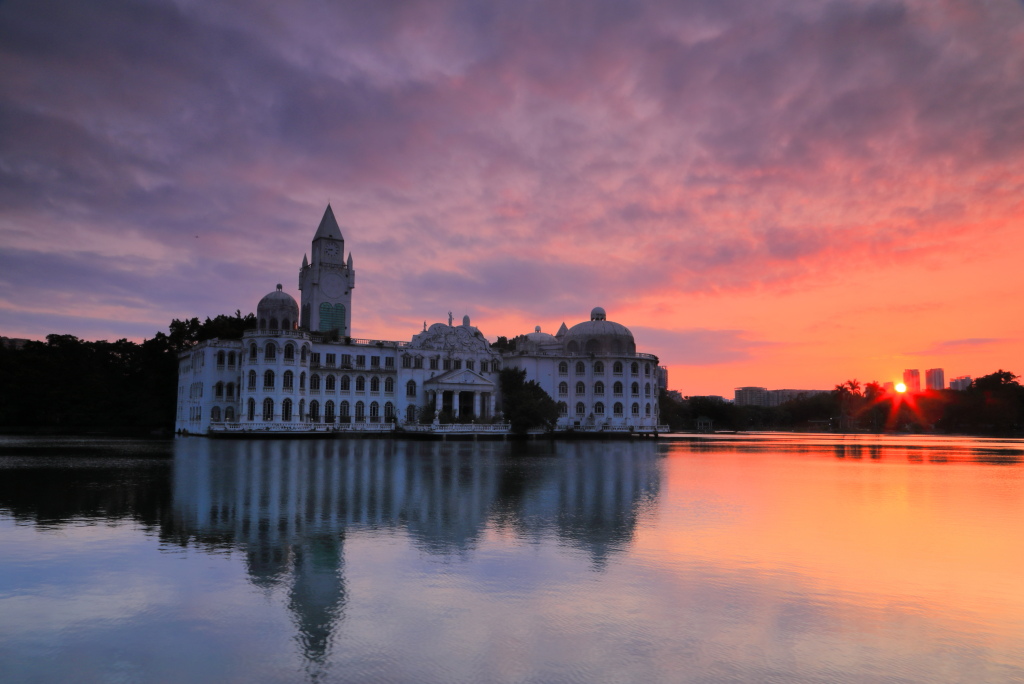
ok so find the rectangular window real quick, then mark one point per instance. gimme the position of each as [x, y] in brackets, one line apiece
[346, 360]
[433, 363]
[469, 364]
[458, 363]
[389, 362]
[314, 358]
[374, 362]
[418, 362]
[447, 364]
[406, 362]
[360, 360]
[331, 359]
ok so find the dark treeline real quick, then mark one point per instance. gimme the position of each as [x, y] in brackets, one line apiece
[70, 385]
[993, 405]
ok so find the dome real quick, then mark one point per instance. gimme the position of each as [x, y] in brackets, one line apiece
[540, 337]
[278, 311]
[599, 336]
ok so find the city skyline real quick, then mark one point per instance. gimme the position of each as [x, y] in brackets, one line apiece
[768, 194]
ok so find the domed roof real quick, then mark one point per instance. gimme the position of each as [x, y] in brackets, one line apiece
[278, 310]
[599, 336]
[540, 337]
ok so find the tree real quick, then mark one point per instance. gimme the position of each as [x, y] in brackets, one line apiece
[526, 404]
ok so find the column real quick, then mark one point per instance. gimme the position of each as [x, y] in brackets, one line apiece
[476, 405]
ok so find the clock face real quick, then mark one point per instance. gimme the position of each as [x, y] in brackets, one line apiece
[331, 250]
[332, 285]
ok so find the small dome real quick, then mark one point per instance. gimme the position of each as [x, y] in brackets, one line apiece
[278, 311]
[598, 314]
[599, 336]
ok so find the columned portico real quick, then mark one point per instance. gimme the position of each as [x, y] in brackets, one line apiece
[465, 393]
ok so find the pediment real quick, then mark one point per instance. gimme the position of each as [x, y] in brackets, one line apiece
[462, 377]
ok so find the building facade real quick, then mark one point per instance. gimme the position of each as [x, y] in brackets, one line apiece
[301, 370]
[935, 379]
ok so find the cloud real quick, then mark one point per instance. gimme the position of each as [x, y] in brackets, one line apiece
[960, 345]
[697, 346]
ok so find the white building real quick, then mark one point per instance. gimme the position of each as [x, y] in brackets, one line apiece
[300, 369]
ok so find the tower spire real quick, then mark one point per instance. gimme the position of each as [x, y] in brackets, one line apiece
[328, 227]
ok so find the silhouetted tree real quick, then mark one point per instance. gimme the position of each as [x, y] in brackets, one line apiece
[526, 405]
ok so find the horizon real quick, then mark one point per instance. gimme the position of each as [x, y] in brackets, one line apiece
[771, 194]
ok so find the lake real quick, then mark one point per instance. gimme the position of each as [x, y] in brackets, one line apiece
[726, 558]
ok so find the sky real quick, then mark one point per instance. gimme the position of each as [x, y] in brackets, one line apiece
[777, 193]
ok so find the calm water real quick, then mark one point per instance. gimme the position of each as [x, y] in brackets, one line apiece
[742, 559]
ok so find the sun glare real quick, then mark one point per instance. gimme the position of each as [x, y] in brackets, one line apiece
[900, 387]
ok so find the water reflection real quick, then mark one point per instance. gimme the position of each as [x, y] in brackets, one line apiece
[289, 505]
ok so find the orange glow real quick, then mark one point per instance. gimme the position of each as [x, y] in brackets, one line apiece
[900, 387]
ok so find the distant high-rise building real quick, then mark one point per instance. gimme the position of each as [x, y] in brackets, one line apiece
[960, 383]
[751, 396]
[935, 379]
[889, 387]
[912, 379]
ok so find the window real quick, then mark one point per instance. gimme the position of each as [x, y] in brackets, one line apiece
[410, 388]
[635, 368]
[374, 412]
[360, 412]
[635, 389]
[289, 352]
[617, 368]
[389, 362]
[563, 368]
[344, 411]
[447, 364]
[268, 380]
[314, 358]
[287, 380]
[360, 360]
[332, 359]
[346, 360]
[647, 370]
[375, 384]
[599, 367]
[314, 383]
[617, 389]
[580, 368]
[406, 362]
[231, 359]
[389, 385]
[647, 389]
[268, 409]
[636, 409]
[580, 408]
[302, 409]
[598, 388]
[305, 351]
[617, 409]
[329, 412]
[220, 359]
[273, 323]
[252, 352]
[599, 409]
[329, 383]
[286, 409]
[563, 389]
[218, 390]
[252, 409]
[410, 414]
[647, 409]
[229, 414]
[433, 363]
[252, 381]
[360, 384]
[417, 362]
[302, 381]
[215, 414]
[231, 390]
[469, 364]
[494, 366]
[346, 383]
[581, 388]
[389, 411]
[314, 411]
[563, 408]
[270, 353]
[458, 364]
[374, 362]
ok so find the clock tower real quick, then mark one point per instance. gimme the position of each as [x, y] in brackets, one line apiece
[326, 282]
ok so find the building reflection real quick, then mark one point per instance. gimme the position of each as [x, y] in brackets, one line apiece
[289, 505]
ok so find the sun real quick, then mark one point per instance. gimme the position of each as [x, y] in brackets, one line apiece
[900, 387]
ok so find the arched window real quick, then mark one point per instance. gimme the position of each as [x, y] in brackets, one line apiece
[252, 352]
[635, 368]
[229, 414]
[635, 389]
[374, 411]
[286, 324]
[599, 366]
[581, 388]
[593, 347]
[389, 385]
[252, 409]
[617, 368]
[273, 324]
[495, 367]
[302, 409]
[231, 359]
[263, 324]
[268, 380]
[580, 408]
[410, 413]
[314, 411]
[344, 410]
[218, 390]
[314, 383]
[647, 409]
[617, 388]
[375, 384]
[580, 368]
[647, 369]
[252, 381]
[599, 409]
[302, 381]
[305, 350]
[215, 414]
[289, 352]
[360, 411]
[270, 353]
[410, 388]
[332, 317]
[563, 408]
[598, 388]
[329, 412]
[220, 358]
[647, 389]
[636, 409]
[389, 411]
[346, 383]
[329, 383]
[287, 380]
[573, 347]
[268, 409]
[617, 408]
[563, 388]
[286, 409]
[563, 368]
[360, 383]
[231, 390]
